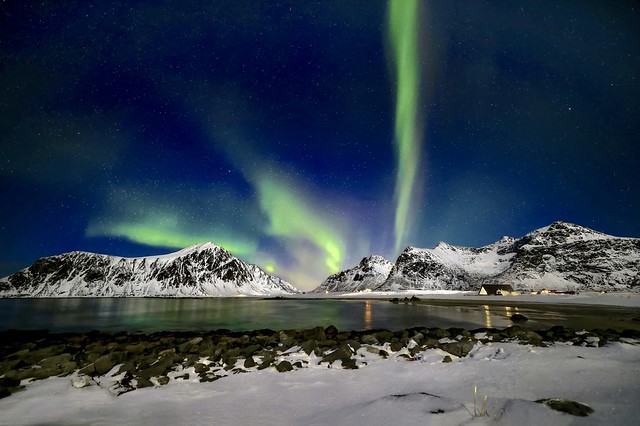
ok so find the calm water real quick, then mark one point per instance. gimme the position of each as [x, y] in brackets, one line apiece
[149, 315]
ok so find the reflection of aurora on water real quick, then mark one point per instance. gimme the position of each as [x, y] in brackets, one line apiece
[238, 314]
[233, 314]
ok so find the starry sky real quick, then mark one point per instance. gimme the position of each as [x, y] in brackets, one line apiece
[305, 135]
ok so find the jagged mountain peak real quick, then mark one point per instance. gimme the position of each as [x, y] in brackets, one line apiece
[370, 273]
[445, 246]
[208, 247]
[561, 232]
[373, 259]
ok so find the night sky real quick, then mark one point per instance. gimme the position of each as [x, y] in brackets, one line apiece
[305, 135]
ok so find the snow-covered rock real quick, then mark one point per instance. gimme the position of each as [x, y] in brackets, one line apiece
[198, 271]
[447, 267]
[561, 256]
[370, 273]
[565, 256]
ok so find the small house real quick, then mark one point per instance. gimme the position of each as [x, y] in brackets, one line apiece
[495, 290]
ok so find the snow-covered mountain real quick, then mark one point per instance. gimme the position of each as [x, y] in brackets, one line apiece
[448, 267]
[571, 257]
[370, 273]
[561, 256]
[198, 271]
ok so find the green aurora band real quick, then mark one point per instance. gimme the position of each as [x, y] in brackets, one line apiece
[161, 235]
[143, 218]
[290, 217]
[403, 33]
[312, 234]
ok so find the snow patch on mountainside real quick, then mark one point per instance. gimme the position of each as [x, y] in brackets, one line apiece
[483, 261]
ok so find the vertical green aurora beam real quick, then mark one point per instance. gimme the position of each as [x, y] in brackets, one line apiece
[403, 33]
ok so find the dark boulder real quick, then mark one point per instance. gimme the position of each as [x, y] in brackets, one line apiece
[250, 350]
[343, 354]
[331, 332]
[430, 343]
[159, 368]
[287, 338]
[439, 333]
[518, 318]
[396, 346]
[9, 382]
[201, 368]
[309, 346]
[459, 349]
[531, 337]
[567, 406]
[383, 336]
[284, 366]
[99, 367]
[249, 362]
[511, 331]
[316, 333]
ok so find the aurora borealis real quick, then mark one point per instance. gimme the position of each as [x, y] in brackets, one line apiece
[303, 135]
[404, 21]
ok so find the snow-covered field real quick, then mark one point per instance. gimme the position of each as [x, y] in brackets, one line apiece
[383, 392]
[587, 298]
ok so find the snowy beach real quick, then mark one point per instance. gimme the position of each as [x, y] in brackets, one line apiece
[413, 383]
[384, 392]
[628, 299]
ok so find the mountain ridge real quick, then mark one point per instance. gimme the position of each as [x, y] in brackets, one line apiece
[202, 270]
[561, 256]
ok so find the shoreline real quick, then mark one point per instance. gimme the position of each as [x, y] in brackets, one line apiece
[623, 299]
[139, 360]
[345, 311]
[450, 297]
[325, 376]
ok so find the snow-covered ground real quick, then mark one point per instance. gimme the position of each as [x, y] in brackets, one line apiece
[586, 298]
[384, 392]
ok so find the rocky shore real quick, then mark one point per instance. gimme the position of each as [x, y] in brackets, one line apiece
[124, 362]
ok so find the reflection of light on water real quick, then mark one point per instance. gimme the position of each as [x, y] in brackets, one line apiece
[367, 315]
[508, 313]
[487, 316]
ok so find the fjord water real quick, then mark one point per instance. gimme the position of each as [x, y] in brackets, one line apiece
[238, 314]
